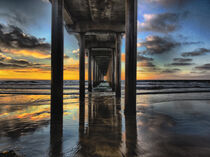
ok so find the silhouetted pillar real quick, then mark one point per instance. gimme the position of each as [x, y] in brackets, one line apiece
[118, 66]
[56, 136]
[130, 62]
[57, 60]
[92, 68]
[110, 72]
[89, 72]
[113, 71]
[89, 108]
[131, 135]
[94, 72]
[82, 66]
[81, 118]
[99, 76]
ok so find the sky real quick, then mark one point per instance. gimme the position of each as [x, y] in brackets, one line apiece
[173, 41]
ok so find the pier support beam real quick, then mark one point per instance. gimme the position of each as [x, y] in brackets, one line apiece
[130, 62]
[94, 72]
[113, 71]
[82, 66]
[89, 71]
[118, 66]
[57, 61]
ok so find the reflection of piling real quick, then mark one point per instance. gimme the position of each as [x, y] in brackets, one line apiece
[131, 135]
[81, 118]
[104, 130]
[56, 135]
[90, 108]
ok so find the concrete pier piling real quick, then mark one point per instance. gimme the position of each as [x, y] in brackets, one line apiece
[130, 58]
[113, 70]
[89, 71]
[118, 66]
[82, 66]
[57, 60]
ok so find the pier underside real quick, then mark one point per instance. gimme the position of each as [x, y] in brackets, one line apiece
[99, 26]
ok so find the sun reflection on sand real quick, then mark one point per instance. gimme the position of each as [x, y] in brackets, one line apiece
[104, 130]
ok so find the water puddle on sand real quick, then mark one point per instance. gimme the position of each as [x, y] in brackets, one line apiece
[172, 128]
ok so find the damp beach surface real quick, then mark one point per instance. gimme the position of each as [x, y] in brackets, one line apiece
[173, 124]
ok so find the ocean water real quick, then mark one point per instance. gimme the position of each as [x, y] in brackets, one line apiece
[171, 116]
[42, 87]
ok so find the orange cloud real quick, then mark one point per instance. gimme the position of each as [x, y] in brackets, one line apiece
[28, 53]
[33, 74]
[71, 71]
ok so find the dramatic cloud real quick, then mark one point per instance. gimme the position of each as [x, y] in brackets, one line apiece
[171, 70]
[15, 17]
[20, 62]
[203, 67]
[7, 65]
[147, 66]
[197, 52]
[28, 53]
[167, 3]
[158, 45]
[14, 40]
[8, 62]
[164, 23]
[3, 57]
[181, 62]
[143, 58]
[22, 12]
[14, 37]
[145, 62]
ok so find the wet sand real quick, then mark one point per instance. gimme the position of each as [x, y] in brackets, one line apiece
[164, 126]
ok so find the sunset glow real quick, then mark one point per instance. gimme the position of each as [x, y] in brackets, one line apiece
[167, 48]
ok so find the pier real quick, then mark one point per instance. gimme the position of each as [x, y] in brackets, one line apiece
[83, 104]
[99, 27]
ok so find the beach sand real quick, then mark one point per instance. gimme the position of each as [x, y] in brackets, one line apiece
[166, 125]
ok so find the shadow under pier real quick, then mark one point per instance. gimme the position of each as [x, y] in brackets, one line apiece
[104, 134]
[56, 136]
[103, 129]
